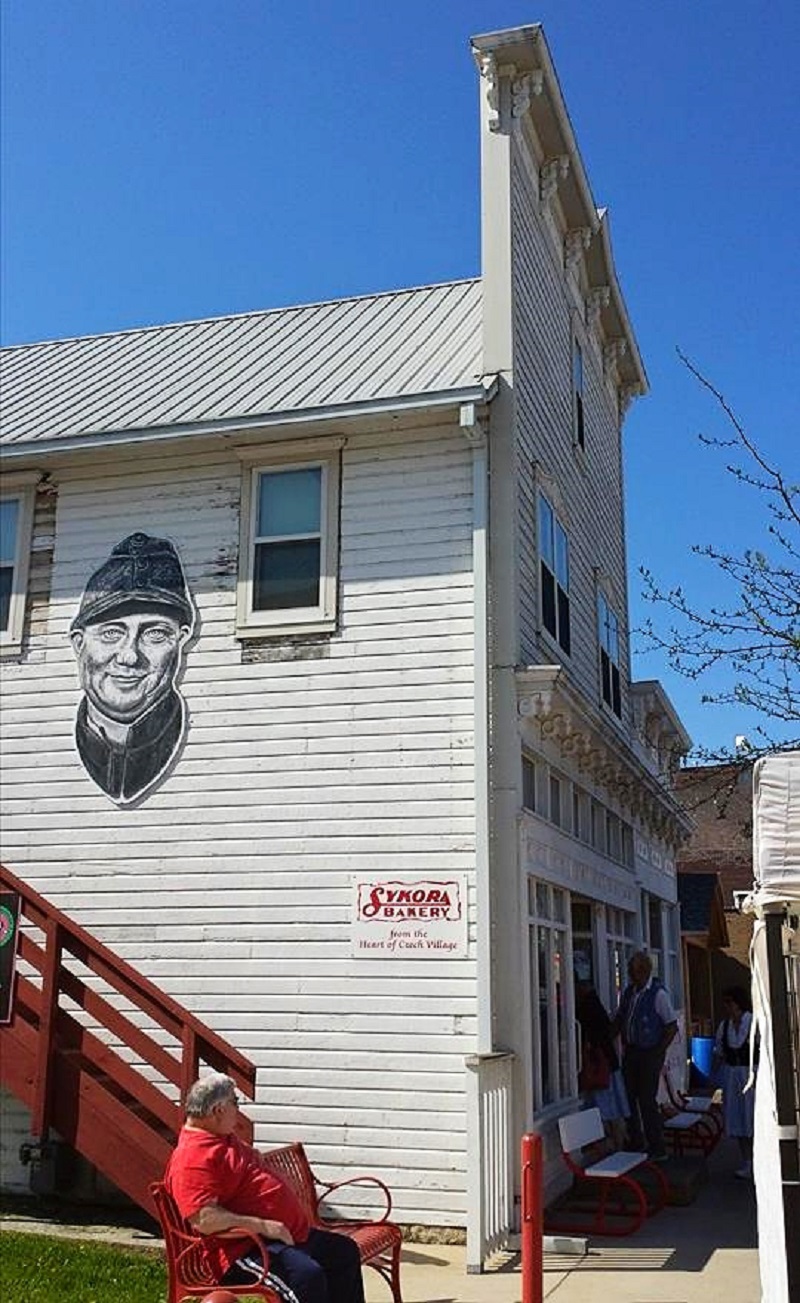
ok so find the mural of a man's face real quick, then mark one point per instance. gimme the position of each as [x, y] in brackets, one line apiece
[128, 661]
[129, 634]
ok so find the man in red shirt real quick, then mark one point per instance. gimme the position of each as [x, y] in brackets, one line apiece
[220, 1183]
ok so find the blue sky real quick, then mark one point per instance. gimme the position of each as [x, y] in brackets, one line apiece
[172, 159]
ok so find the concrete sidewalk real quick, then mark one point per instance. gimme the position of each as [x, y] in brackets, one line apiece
[683, 1255]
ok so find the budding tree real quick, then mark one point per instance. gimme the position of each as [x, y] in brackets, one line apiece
[754, 630]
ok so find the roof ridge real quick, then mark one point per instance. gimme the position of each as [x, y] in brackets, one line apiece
[236, 316]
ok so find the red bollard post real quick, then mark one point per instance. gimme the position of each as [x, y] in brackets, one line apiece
[532, 1220]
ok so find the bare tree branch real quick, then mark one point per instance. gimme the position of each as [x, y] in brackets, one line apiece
[753, 630]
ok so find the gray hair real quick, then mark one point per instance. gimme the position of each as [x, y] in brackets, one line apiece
[207, 1093]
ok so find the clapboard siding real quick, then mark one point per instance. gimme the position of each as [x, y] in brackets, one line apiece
[591, 507]
[230, 885]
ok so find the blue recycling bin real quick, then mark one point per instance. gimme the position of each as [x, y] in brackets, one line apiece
[702, 1060]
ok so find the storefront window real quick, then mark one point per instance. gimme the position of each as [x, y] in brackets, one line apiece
[655, 936]
[620, 943]
[551, 994]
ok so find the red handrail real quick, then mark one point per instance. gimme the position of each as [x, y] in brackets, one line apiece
[63, 1052]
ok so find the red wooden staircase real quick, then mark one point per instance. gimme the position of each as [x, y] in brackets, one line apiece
[98, 1053]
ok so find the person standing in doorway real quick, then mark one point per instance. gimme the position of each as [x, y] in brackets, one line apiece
[600, 1077]
[647, 1024]
[732, 1053]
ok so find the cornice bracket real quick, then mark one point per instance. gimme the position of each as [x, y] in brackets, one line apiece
[552, 171]
[576, 242]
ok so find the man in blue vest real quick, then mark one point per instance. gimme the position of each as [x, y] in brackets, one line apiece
[646, 1021]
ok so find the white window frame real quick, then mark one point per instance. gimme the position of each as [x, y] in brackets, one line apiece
[19, 487]
[549, 560]
[273, 460]
[561, 1052]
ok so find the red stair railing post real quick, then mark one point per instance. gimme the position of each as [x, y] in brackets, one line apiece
[190, 1060]
[45, 1060]
[532, 1219]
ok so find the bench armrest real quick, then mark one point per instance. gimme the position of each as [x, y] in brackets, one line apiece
[328, 1188]
[242, 1233]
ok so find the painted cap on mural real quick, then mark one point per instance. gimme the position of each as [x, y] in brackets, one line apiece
[141, 571]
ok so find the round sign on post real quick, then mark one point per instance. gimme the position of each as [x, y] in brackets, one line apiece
[9, 916]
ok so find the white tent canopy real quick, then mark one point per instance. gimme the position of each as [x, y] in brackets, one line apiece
[775, 961]
[776, 829]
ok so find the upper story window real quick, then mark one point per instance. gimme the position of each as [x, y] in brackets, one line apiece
[16, 524]
[578, 415]
[608, 635]
[289, 546]
[554, 568]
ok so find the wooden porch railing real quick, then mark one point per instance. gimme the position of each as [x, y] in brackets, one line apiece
[98, 1053]
[490, 1155]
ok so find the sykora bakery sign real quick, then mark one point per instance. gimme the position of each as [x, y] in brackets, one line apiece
[413, 918]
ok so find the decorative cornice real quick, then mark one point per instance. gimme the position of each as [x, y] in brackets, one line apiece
[551, 172]
[546, 700]
[576, 242]
[490, 74]
[599, 297]
[522, 87]
[613, 353]
[626, 395]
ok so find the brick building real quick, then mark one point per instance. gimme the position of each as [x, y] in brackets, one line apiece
[716, 862]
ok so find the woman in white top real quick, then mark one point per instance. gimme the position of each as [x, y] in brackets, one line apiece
[732, 1052]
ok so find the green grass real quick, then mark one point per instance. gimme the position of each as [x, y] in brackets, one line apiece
[47, 1269]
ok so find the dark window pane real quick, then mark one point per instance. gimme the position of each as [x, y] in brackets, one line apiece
[580, 433]
[563, 620]
[616, 700]
[605, 677]
[6, 582]
[528, 785]
[286, 575]
[581, 917]
[548, 600]
[555, 800]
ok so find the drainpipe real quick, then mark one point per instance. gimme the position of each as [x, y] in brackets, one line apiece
[476, 435]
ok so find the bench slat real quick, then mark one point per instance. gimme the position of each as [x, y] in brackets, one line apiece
[616, 1164]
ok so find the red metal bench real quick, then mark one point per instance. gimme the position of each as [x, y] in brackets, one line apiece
[627, 1186]
[187, 1273]
[691, 1122]
[378, 1241]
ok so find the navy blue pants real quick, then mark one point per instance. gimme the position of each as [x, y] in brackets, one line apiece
[326, 1268]
[642, 1072]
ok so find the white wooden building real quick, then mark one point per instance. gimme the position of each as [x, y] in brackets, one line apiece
[439, 694]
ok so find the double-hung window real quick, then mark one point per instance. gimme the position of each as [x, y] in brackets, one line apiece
[608, 634]
[554, 574]
[16, 522]
[578, 414]
[289, 552]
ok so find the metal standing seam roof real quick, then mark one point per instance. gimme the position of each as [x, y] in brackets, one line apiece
[376, 348]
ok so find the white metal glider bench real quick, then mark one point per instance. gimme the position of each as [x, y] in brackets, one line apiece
[691, 1122]
[628, 1186]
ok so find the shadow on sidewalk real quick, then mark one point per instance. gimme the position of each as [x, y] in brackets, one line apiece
[723, 1216]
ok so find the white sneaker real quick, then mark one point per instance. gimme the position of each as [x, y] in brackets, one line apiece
[745, 1172]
